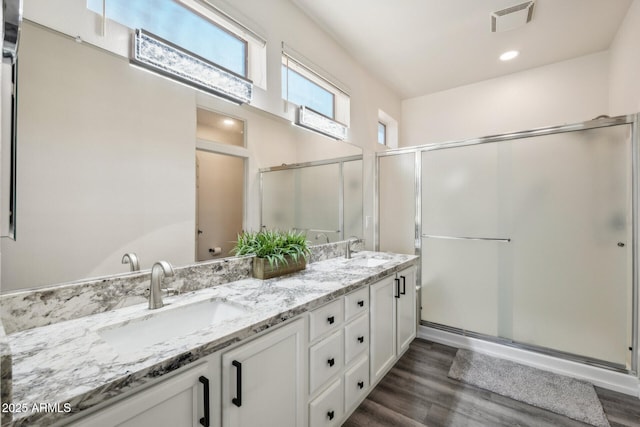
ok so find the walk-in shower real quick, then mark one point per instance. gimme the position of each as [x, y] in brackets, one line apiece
[527, 239]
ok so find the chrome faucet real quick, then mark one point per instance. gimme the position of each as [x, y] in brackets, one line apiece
[131, 259]
[322, 235]
[348, 251]
[159, 270]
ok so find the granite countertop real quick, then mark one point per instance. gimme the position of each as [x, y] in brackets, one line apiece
[69, 365]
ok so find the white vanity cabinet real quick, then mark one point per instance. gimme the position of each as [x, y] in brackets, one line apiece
[189, 397]
[263, 380]
[406, 310]
[338, 358]
[393, 320]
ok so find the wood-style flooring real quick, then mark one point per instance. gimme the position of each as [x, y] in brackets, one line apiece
[417, 392]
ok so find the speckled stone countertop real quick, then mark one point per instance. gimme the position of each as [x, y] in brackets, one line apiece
[70, 363]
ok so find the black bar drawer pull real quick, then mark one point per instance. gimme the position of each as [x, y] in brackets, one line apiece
[238, 400]
[331, 319]
[361, 339]
[361, 303]
[404, 285]
[331, 362]
[397, 295]
[330, 415]
[206, 420]
[360, 385]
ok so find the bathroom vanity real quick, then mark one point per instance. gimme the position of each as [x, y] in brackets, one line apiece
[300, 350]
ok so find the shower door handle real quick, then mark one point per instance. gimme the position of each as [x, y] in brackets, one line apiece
[490, 239]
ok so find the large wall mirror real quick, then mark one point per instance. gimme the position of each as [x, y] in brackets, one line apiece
[323, 199]
[108, 161]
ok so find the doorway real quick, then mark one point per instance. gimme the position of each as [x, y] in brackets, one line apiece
[220, 184]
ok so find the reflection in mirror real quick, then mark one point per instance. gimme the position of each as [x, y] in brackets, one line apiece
[107, 164]
[219, 186]
[323, 199]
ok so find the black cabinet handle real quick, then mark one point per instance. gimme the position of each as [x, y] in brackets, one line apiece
[238, 400]
[361, 303]
[331, 361]
[361, 339]
[404, 285]
[360, 385]
[331, 320]
[206, 420]
[330, 415]
[397, 295]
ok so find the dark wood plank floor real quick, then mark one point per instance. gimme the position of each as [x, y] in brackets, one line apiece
[417, 392]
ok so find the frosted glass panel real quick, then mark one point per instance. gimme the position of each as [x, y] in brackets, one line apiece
[317, 197]
[460, 191]
[460, 284]
[397, 199]
[562, 277]
[570, 207]
[352, 181]
[278, 209]
[315, 200]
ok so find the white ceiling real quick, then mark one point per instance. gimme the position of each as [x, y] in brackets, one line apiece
[424, 46]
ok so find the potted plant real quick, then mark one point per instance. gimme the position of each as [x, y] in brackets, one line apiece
[276, 252]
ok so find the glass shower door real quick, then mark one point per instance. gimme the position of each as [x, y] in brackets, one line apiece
[530, 240]
[570, 210]
[397, 203]
[461, 238]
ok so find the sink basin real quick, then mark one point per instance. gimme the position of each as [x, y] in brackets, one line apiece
[367, 262]
[133, 336]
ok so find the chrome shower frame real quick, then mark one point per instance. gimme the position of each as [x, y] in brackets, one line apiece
[632, 120]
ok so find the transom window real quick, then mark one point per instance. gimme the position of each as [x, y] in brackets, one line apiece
[181, 26]
[301, 90]
[302, 85]
[382, 133]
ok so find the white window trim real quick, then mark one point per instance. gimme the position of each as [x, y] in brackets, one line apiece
[73, 18]
[341, 97]
[256, 44]
[392, 130]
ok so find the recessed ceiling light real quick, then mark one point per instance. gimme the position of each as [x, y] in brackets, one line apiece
[507, 56]
[227, 122]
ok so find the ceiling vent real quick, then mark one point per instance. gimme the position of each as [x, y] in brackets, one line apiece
[512, 17]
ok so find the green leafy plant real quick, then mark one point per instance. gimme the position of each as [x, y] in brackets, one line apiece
[273, 245]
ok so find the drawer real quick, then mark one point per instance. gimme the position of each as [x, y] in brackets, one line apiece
[356, 338]
[356, 383]
[326, 318]
[325, 360]
[356, 302]
[327, 409]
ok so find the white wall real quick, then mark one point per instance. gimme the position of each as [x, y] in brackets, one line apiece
[565, 92]
[97, 179]
[624, 74]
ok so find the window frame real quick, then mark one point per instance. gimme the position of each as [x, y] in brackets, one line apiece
[384, 126]
[341, 98]
[313, 82]
[295, 66]
[244, 41]
[189, 8]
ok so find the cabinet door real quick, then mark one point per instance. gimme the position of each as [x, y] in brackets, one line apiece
[383, 327]
[263, 380]
[406, 310]
[177, 401]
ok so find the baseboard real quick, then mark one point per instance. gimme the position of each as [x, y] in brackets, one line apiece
[616, 381]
